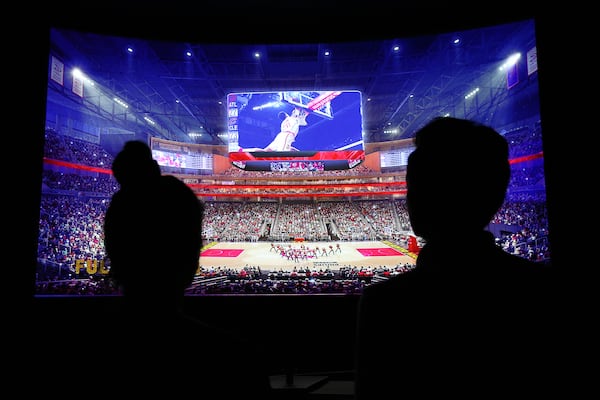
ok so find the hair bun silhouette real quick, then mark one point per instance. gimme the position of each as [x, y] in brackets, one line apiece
[135, 164]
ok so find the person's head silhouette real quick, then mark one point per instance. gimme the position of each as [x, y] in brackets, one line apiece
[152, 229]
[456, 177]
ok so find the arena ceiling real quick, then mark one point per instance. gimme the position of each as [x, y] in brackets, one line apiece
[428, 76]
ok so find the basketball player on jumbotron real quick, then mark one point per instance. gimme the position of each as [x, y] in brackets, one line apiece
[290, 127]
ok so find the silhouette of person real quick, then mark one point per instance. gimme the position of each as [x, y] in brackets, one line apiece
[152, 233]
[470, 318]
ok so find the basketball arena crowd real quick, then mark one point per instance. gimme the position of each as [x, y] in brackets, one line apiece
[76, 193]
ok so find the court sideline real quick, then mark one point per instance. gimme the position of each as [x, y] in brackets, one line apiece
[266, 256]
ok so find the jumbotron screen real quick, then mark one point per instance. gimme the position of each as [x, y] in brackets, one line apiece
[295, 130]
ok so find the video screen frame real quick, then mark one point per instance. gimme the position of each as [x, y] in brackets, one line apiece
[322, 129]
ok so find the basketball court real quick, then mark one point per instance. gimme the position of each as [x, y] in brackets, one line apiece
[266, 255]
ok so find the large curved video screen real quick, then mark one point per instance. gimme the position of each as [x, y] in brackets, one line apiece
[299, 157]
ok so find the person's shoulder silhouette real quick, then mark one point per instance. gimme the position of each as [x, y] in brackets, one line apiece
[467, 301]
[153, 239]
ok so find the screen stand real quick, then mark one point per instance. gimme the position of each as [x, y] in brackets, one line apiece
[296, 384]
